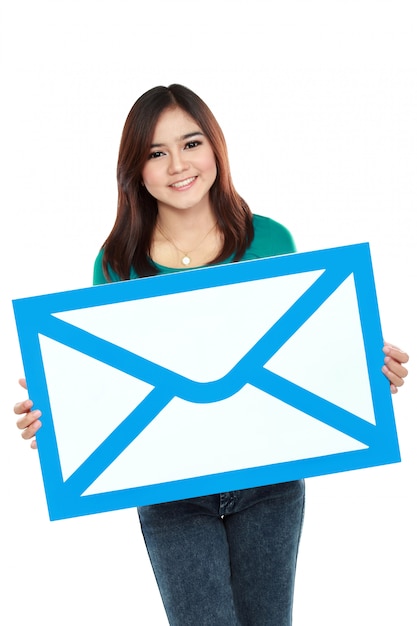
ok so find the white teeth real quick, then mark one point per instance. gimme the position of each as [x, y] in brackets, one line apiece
[183, 183]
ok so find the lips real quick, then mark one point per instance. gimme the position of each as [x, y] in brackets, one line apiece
[183, 183]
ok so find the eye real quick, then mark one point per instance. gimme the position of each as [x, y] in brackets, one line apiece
[192, 144]
[155, 155]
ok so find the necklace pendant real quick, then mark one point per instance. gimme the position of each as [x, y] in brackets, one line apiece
[186, 260]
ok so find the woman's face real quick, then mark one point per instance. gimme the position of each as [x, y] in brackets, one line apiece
[181, 167]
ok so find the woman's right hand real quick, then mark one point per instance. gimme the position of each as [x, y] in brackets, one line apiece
[29, 421]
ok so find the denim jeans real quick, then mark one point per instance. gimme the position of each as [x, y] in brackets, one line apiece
[227, 559]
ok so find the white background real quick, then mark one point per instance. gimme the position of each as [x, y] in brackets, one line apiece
[318, 102]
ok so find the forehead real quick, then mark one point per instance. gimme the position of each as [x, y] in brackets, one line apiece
[173, 124]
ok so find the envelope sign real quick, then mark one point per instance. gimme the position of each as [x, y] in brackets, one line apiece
[207, 380]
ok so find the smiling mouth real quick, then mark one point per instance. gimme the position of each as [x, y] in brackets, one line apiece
[183, 183]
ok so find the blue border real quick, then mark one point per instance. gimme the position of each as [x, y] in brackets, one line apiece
[35, 316]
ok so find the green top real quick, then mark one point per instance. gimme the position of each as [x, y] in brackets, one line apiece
[270, 239]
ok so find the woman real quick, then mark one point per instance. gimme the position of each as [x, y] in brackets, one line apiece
[229, 558]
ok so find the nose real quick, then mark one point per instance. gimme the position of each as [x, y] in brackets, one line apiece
[177, 162]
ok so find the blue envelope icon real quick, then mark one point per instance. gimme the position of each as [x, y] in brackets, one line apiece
[208, 380]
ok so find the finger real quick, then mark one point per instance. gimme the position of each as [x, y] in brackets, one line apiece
[22, 383]
[392, 377]
[395, 353]
[31, 430]
[28, 419]
[33, 444]
[23, 407]
[395, 367]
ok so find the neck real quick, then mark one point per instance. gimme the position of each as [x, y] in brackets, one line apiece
[185, 222]
[185, 238]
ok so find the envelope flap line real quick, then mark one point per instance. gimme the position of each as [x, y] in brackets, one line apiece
[139, 367]
[106, 352]
[193, 391]
[294, 317]
[317, 407]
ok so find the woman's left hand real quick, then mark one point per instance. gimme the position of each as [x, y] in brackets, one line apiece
[393, 367]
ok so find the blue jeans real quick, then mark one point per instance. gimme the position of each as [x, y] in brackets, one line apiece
[227, 559]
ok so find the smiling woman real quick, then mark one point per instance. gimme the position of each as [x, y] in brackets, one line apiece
[176, 194]
[180, 171]
[227, 558]
[180, 174]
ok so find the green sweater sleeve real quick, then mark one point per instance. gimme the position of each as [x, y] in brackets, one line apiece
[271, 239]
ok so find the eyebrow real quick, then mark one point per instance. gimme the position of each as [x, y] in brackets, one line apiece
[182, 138]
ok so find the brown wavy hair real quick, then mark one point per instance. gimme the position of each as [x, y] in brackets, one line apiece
[129, 241]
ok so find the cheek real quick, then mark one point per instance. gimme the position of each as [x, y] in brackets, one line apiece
[209, 165]
[149, 176]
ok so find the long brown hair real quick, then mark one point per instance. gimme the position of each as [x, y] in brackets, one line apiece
[129, 241]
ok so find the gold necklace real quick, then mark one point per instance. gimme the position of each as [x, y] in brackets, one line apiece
[186, 259]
